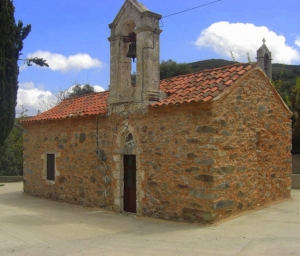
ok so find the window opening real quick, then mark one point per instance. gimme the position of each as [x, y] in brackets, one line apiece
[129, 140]
[131, 41]
[50, 166]
[266, 61]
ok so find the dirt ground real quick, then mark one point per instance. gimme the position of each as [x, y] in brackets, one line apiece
[34, 226]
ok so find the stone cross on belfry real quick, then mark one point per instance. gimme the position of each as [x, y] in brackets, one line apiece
[264, 59]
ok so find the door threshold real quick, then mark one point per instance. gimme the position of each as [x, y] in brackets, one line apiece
[131, 214]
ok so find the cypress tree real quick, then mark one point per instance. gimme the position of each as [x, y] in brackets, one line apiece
[11, 44]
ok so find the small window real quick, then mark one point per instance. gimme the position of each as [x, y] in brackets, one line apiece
[129, 140]
[50, 166]
[266, 61]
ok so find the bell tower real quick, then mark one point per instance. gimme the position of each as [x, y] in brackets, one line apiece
[134, 37]
[264, 59]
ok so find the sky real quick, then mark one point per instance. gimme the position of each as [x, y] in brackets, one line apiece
[72, 36]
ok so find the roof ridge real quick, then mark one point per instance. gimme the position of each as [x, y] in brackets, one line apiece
[180, 76]
[212, 69]
[84, 95]
[229, 66]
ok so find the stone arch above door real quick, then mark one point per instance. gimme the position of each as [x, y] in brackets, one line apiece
[127, 140]
[127, 143]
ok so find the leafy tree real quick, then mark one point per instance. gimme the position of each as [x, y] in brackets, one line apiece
[79, 90]
[133, 78]
[11, 43]
[293, 101]
[291, 95]
[170, 68]
[47, 104]
[11, 152]
[208, 64]
[37, 61]
[12, 36]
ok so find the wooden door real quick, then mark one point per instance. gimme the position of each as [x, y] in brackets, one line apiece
[130, 183]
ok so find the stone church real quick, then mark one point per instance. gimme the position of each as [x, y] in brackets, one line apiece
[197, 147]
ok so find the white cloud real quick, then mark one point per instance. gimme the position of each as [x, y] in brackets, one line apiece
[98, 88]
[32, 97]
[59, 62]
[297, 41]
[243, 38]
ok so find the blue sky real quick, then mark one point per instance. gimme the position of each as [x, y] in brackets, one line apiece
[72, 36]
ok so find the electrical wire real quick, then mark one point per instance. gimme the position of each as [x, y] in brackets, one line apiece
[190, 9]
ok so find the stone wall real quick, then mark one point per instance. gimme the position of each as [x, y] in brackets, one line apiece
[80, 177]
[296, 164]
[7, 179]
[296, 172]
[256, 166]
[296, 181]
[195, 162]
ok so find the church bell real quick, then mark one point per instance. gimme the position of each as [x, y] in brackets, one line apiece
[131, 51]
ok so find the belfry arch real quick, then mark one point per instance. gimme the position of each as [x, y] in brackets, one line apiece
[134, 24]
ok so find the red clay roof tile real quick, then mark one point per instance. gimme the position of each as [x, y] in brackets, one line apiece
[229, 82]
[202, 86]
[239, 68]
[248, 67]
[90, 104]
[207, 98]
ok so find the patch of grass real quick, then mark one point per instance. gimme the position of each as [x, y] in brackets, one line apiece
[1, 185]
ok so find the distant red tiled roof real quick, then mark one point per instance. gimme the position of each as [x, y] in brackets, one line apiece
[202, 86]
[86, 105]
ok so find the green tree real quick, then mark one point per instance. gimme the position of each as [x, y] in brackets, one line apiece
[291, 96]
[12, 36]
[37, 61]
[293, 101]
[170, 68]
[79, 90]
[49, 103]
[133, 78]
[11, 152]
[11, 43]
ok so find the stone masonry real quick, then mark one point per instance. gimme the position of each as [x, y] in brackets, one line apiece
[134, 17]
[195, 162]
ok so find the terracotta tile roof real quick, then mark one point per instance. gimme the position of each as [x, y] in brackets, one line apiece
[201, 86]
[86, 105]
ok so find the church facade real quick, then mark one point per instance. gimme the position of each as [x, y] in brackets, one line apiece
[196, 147]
